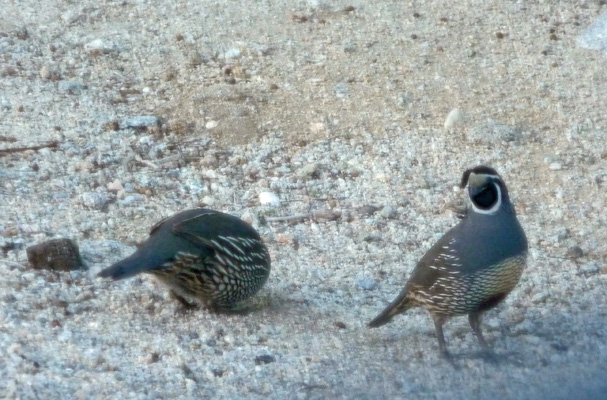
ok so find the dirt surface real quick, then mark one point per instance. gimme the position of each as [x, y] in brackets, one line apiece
[115, 114]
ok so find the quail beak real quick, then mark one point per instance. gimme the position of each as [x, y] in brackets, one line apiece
[476, 182]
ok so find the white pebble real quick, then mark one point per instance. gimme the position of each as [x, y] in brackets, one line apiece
[104, 46]
[139, 122]
[381, 177]
[232, 53]
[45, 73]
[115, 186]
[269, 199]
[454, 117]
[208, 200]
[211, 124]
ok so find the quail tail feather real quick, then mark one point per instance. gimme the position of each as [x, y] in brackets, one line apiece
[400, 305]
[126, 268]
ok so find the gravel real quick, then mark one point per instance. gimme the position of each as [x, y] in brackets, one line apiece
[114, 115]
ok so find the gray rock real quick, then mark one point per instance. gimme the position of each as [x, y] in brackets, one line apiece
[94, 200]
[367, 210]
[309, 171]
[595, 36]
[388, 212]
[492, 132]
[132, 199]
[71, 87]
[103, 46]
[590, 268]
[232, 53]
[575, 252]
[341, 90]
[366, 283]
[264, 359]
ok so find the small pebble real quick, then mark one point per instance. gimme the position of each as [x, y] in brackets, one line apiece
[195, 59]
[540, 297]
[140, 122]
[55, 255]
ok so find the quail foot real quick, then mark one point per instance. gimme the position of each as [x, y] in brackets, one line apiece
[474, 266]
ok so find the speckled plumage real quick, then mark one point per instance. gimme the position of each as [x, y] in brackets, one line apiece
[212, 257]
[474, 266]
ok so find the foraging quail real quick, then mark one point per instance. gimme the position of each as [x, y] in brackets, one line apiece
[474, 266]
[202, 254]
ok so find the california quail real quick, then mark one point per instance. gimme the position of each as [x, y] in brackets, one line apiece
[474, 266]
[201, 254]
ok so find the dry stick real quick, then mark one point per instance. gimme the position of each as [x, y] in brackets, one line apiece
[288, 218]
[323, 214]
[52, 145]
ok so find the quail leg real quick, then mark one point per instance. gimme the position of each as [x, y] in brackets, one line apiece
[439, 320]
[475, 322]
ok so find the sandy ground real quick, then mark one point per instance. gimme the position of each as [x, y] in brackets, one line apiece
[336, 106]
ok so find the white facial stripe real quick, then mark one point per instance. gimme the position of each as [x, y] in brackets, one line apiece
[495, 207]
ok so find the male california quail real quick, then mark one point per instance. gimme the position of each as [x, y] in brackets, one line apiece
[474, 266]
[202, 254]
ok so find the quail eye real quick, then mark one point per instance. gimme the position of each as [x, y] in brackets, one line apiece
[486, 197]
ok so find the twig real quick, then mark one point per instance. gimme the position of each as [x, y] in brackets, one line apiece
[15, 264]
[53, 144]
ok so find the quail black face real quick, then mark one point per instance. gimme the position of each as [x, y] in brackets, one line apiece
[485, 188]
[474, 266]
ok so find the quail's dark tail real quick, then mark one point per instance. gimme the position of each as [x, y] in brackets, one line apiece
[400, 305]
[124, 269]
